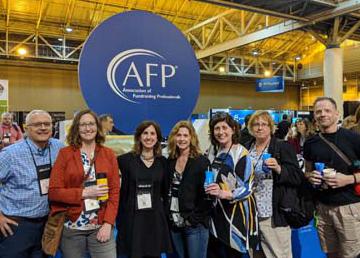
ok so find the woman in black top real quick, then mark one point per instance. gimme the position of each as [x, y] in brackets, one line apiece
[188, 209]
[141, 222]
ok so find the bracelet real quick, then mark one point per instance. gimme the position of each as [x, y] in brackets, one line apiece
[355, 181]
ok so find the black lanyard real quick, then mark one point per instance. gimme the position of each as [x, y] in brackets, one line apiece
[223, 160]
[261, 154]
[32, 155]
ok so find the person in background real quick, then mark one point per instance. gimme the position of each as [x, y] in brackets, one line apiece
[90, 207]
[356, 127]
[349, 122]
[9, 131]
[25, 168]
[299, 133]
[283, 127]
[107, 123]
[141, 221]
[245, 135]
[234, 224]
[281, 170]
[338, 207]
[187, 207]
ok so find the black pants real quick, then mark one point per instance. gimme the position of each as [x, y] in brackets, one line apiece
[25, 242]
[217, 249]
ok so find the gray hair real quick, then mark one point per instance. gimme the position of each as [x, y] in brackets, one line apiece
[6, 114]
[35, 112]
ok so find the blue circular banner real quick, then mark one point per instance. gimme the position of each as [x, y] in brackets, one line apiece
[138, 66]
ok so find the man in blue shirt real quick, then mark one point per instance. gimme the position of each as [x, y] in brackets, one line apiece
[24, 175]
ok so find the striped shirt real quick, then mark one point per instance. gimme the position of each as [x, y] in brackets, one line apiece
[19, 190]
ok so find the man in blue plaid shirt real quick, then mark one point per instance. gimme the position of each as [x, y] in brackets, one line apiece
[24, 175]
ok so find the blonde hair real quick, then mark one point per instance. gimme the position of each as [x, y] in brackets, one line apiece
[264, 115]
[194, 141]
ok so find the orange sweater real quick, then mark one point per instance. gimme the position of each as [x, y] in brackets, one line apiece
[66, 183]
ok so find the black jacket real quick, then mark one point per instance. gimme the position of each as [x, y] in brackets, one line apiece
[192, 203]
[288, 180]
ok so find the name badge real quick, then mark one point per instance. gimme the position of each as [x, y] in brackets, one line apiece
[174, 206]
[144, 196]
[43, 174]
[90, 205]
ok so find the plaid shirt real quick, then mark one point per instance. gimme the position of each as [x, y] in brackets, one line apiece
[19, 192]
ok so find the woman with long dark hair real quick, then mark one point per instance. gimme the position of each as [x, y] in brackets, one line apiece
[141, 222]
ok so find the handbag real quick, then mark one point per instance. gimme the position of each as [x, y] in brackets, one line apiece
[52, 233]
[54, 226]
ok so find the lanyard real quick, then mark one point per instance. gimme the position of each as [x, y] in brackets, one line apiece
[261, 154]
[32, 155]
[223, 160]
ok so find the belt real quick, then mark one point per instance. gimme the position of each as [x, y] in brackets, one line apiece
[32, 220]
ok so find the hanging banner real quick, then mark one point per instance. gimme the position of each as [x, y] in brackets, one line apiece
[274, 84]
[138, 66]
[4, 95]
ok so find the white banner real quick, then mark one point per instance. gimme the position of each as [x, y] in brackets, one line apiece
[4, 90]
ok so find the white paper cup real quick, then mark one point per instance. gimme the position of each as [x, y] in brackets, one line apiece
[329, 172]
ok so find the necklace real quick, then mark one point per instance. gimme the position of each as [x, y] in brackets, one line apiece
[145, 158]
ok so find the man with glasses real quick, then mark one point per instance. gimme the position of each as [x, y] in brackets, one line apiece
[24, 174]
[338, 208]
[9, 132]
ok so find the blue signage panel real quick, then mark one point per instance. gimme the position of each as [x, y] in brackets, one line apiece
[138, 66]
[274, 84]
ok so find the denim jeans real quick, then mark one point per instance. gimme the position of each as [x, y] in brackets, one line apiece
[191, 242]
[25, 243]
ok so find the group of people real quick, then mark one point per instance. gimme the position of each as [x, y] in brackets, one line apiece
[169, 205]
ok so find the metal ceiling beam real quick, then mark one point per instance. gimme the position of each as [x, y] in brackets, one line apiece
[350, 32]
[255, 9]
[342, 8]
[324, 3]
[40, 13]
[249, 38]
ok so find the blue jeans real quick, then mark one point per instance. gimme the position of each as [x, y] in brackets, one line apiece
[191, 242]
[25, 243]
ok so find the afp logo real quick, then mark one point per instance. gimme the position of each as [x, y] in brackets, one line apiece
[137, 74]
[138, 66]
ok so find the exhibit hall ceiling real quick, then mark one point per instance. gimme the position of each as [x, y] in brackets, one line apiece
[235, 37]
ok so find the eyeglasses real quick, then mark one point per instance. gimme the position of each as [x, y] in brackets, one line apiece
[41, 124]
[90, 125]
[260, 125]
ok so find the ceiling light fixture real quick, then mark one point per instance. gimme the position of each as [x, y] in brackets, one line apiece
[298, 58]
[222, 69]
[68, 29]
[267, 73]
[22, 51]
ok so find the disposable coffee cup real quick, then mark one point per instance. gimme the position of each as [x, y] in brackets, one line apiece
[329, 172]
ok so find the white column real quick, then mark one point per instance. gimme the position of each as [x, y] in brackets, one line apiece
[333, 76]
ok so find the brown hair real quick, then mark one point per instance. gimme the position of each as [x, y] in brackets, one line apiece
[266, 116]
[74, 139]
[224, 117]
[137, 149]
[194, 141]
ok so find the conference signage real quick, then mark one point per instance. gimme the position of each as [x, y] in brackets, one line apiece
[274, 84]
[138, 66]
[4, 95]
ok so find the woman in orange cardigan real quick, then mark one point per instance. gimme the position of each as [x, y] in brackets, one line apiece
[73, 188]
